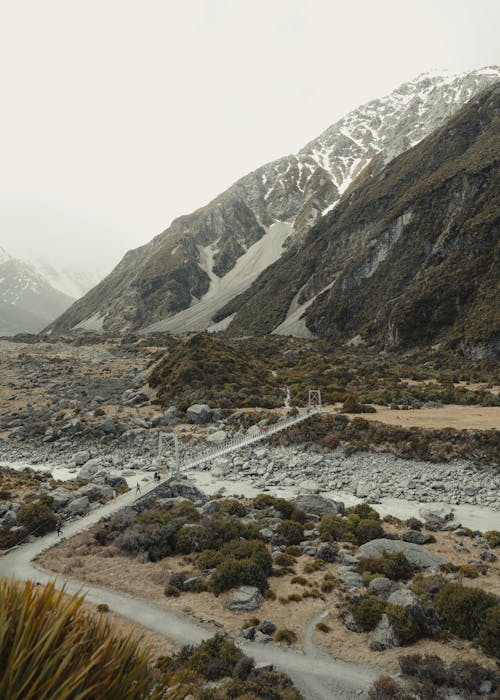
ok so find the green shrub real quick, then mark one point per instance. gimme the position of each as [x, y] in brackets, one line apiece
[9, 538]
[284, 559]
[292, 532]
[367, 530]
[393, 565]
[269, 594]
[209, 559]
[192, 538]
[463, 609]
[50, 648]
[334, 527]
[364, 511]
[489, 634]
[300, 580]
[232, 507]
[492, 537]
[103, 608]
[264, 500]
[293, 551]
[255, 550]
[403, 623]
[323, 627]
[367, 612]
[232, 573]
[468, 571]
[37, 518]
[214, 658]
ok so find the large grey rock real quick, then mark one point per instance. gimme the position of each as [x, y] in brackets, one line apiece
[210, 507]
[81, 457]
[199, 413]
[217, 437]
[9, 519]
[349, 577]
[90, 469]
[267, 627]
[411, 602]
[384, 636]
[94, 492]
[309, 485]
[311, 503]
[416, 537]
[417, 556]
[382, 586]
[436, 517]
[61, 497]
[327, 551]
[244, 598]
[79, 506]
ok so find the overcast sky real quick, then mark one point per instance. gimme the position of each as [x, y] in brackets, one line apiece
[119, 115]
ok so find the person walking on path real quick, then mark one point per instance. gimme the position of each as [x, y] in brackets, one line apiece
[59, 528]
[137, 489]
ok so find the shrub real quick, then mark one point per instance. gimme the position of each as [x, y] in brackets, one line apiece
[367, 612]
[284, 559]
[403, 623]
[255, 550]
[492, 537]
[171, 591]
[327, 586]
[269, 594]
[103, 608]
[463, 609]
[232, 507]
[293, 551]
[177, 579]
[323, 627]
[426, 586]
[393, 565]
[386, 688]
[232, 573]
[285, 635]
[468, 571]
[264, 500]
[333, 527]
[489, 634]
[191, 538]
[367, 530]
[37, 518]
[209, 559]
[364, 511]
[214, 658]
[292, 532]
[429, 667]
[49, 648]
[414, 524]
[300, 580]
[8, 537]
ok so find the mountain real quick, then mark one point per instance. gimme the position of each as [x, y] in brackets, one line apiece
[27, 301]
[187, 274]
[68, 279]
[410, 257]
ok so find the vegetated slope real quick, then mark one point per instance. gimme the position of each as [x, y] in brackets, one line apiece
[27, 301]
[410, 257]
[188, 267]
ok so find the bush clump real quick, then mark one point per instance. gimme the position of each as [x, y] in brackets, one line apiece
[393, 565]
[233, 572]
[367, 612]
[403, 623]
[489, 634]
[285, 635]
[37, 518]
[464, 610]
[292, 532]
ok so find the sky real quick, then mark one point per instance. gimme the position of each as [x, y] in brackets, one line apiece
[117, 116]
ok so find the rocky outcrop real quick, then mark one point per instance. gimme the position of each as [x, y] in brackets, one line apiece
[419, 557]
[244, 599]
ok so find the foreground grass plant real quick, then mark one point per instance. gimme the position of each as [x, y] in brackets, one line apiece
[51, 649]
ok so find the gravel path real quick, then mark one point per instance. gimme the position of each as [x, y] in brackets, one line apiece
[318, 678]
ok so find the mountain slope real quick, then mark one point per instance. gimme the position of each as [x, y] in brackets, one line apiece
[182, 277]
[27, 301]
[409, 257]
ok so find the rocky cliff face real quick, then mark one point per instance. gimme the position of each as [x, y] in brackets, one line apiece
[409, 257]
[196, 259]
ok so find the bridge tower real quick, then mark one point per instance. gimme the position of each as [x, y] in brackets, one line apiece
[168, 439]
[314, 401]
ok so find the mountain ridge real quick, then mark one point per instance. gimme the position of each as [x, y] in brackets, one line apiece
[167, 276]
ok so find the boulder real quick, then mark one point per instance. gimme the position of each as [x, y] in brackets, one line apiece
[217, 437]
[90, 469]
[9, 519]
[416, 537]
[94, 492]
[79, 506]
[244, 598]
[115, 481]
[309, 485]
[382, 586]
[267, 627]
[81, 457]
[435, 518]
[327, 551]
[350, 577]
[384, 636]
[60, 497]
[417, 556]
[210, 507]
[199, 413]
[311, 503]
[411, 602]
[190, 582]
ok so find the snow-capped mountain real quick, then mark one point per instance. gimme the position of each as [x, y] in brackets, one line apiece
[27, 301]
[70, 280]
[179, 280]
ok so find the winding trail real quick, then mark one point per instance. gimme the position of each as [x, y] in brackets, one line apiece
[318, 676]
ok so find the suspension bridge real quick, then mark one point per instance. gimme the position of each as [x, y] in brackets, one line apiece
[254, 434]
